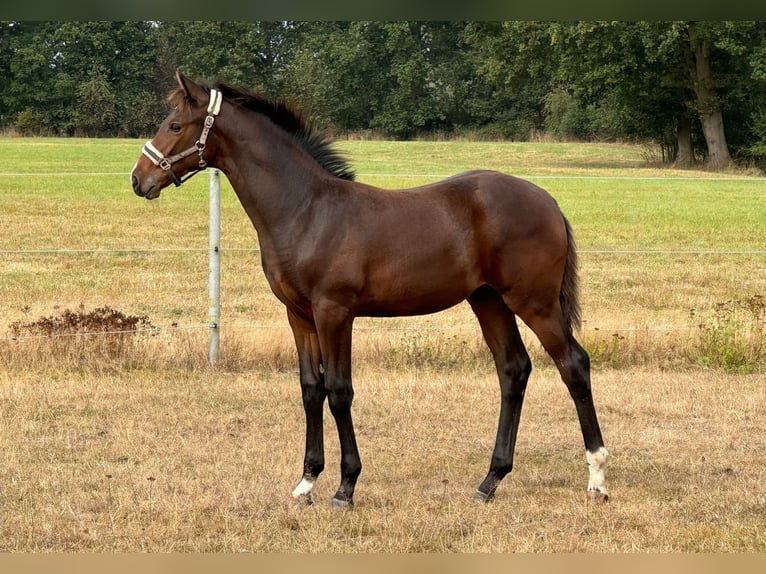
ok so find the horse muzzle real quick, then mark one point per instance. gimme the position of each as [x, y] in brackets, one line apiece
[148, 189]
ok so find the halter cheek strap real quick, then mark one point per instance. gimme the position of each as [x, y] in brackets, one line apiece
[166, 163]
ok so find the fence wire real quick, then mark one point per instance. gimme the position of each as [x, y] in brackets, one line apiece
[115, 250]
[468, 327]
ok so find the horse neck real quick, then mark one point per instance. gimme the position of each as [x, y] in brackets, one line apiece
[273, 177]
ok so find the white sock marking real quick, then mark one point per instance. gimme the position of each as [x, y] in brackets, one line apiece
[597, 462]
[304, 487]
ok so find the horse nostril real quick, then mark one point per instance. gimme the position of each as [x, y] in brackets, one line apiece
[134, 182]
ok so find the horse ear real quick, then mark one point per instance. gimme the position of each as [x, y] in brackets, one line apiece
[193, 91]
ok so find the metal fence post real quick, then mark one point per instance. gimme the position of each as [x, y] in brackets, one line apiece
[215, 267]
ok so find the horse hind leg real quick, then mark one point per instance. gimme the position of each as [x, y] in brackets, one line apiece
[573, 364]
[501, 334]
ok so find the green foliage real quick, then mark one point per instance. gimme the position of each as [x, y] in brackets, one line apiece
[338, 73]
[569, 118]
[96, 111]
[139, 112]
[29, 122]
[757, 149]
[506, 80]
[515, 64]
[566, 117]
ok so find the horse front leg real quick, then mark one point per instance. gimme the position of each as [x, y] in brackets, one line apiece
[334, 325]
[313, 394]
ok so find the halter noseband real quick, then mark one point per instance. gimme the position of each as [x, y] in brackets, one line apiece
[166, 163]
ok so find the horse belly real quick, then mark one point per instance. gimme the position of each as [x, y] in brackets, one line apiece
[416, 287]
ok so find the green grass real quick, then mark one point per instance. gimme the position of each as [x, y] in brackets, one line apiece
[616, 204]
[68, 155]
[447, 158]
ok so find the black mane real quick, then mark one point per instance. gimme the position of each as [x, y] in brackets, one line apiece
[319, 146]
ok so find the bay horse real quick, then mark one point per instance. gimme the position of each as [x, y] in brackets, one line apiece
[333, 249]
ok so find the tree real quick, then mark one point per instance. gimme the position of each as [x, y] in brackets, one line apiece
[37, 88]
[338, 72]
[52, 65]
[96, 112]
[241, 53]
[515, 65]
[398, 77]
[690, 77]
[411, 103]
[117, 58]
[709, 105]
[737, 95]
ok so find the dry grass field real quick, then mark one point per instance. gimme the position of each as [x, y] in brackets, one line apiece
[131, 442]
[190, 460]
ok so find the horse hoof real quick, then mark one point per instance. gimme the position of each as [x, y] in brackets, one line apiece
[481, 497]
[342, 504]
[597, 497]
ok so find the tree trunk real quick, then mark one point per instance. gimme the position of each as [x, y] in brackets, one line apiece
[708, 106]
[685, 151]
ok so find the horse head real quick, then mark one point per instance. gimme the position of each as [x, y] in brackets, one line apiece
[180, 148]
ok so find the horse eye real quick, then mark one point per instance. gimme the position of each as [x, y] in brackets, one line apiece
[175, 128]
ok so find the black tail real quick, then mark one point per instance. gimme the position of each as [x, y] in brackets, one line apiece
[569, 298]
